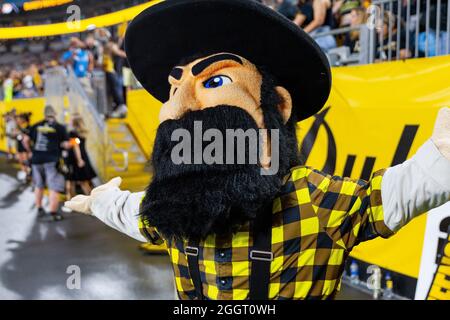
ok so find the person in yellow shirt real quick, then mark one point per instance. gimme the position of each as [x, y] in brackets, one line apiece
[113, 83]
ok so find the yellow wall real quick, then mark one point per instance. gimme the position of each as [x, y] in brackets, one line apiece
[142, 118]
[369, 107]
[36, 106]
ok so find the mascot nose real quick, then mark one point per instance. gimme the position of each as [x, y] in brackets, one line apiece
[183, 101]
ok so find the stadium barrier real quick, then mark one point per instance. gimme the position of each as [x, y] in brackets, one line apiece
[421, 28]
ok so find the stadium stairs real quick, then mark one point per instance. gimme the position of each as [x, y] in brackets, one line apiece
[136, 176]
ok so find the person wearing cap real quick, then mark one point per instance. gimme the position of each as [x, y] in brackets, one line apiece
[81, 61]
[45, 141]
[240, 230]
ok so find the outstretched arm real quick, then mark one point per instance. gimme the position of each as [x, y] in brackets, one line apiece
[116, 208]
[421, 183]
[351, 211]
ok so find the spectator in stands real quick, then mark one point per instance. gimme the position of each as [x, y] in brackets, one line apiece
[123, 68]
[357, 17]
[46, 140]
[316, 17]
[10, 130]
[96, 49]
[28, 89]
[82, 62]
[18, 86]
[2, 80]
[102, 35]
[8, 86]
[23, 130]
[342, 11]
[390, 43]
[81, 171]
[35, 72]
[114, 85]
[288, 8]
[428, 43]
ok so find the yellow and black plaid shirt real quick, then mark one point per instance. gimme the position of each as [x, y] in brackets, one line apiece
[317, 220]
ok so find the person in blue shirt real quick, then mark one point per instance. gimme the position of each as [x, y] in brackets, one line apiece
[81, 61]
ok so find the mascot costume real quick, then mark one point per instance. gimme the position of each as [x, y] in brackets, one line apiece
[231, 231]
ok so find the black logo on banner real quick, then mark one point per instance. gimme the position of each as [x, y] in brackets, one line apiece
[400, 155]
[310, 139]
[440, 285]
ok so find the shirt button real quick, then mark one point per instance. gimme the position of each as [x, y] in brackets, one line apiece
[222, 254]
[223, 281]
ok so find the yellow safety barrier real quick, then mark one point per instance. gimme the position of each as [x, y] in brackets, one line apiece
[73, 26]
[35, 106]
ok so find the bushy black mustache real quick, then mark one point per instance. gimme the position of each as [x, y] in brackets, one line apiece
[192, 201]
[221, 118]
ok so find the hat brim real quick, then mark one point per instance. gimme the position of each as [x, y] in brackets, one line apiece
[162, 35]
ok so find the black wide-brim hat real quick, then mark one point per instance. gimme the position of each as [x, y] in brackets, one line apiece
[165, 33]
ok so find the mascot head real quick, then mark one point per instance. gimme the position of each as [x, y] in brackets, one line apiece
[222, 66]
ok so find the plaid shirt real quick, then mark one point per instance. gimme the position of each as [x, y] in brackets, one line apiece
[317, 220]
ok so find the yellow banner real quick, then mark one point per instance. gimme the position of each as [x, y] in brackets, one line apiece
[377, 116]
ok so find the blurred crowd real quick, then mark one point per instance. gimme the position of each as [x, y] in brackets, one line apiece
[395, 29]
[96, 50]
[102, 49]
[24, 83]
[51, 155]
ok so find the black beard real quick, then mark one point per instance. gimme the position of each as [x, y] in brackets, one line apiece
[191, 201]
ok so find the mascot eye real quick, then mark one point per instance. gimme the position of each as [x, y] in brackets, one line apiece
[216, 81]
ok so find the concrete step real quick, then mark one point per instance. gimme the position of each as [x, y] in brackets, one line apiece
[129, 146]
[120, 137]
[137, 176]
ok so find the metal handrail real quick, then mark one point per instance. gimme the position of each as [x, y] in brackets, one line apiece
[371, 43]
[336, 31]
[125, 160]
[60, 83]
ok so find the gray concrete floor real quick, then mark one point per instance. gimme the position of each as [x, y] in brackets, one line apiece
[35, 256]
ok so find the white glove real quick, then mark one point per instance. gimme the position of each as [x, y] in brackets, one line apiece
[441, 134]
[82, 203]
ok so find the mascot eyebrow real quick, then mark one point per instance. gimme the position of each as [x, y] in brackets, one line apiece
[202, 65]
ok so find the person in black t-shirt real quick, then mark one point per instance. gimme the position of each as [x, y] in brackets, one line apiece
[23, 130]
[47, 139]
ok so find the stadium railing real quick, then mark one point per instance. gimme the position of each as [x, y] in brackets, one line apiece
[421, 28]
[64, 91]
